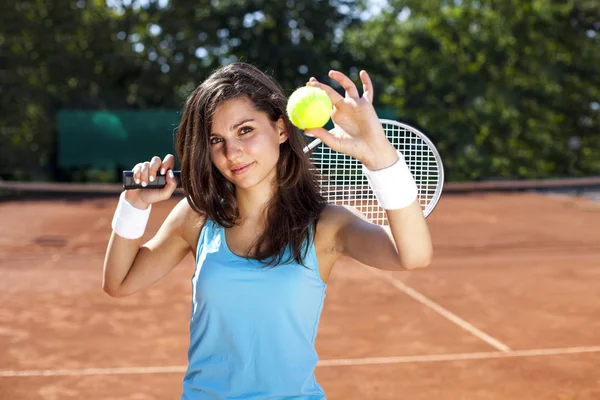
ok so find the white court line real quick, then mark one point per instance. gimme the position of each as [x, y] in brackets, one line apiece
[95, 371]
[458, 357]
[321, 363]
[442, 311]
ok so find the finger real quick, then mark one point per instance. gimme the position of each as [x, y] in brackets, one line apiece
[167, 164]
[368, 92]
[137, 173]
[347, 84]
[170, 186]
[153, 168]
[144, 173]
[326, 137]
[334, 96]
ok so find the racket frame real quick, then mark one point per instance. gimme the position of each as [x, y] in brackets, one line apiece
[430, 206]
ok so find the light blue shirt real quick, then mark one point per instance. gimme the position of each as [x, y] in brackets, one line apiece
[253, 327]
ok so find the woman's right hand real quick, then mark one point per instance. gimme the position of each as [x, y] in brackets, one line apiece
[146, 172]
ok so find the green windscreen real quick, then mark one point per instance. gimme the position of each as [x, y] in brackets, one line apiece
[107, 139]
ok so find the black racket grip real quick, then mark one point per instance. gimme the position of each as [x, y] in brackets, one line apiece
[159, 182]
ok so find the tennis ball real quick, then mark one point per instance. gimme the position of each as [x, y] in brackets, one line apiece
[309, 107]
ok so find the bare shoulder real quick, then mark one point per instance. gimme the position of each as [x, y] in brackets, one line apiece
[186, 222]
[329, 243]
[340, 224]
[332, 220]
[334, 216]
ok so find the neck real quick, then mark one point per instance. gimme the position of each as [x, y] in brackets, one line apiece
[253, 202]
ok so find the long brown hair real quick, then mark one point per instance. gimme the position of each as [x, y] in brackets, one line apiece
[297, 203]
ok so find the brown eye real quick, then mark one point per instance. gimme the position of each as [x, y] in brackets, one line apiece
[215, 140]
[246, 130]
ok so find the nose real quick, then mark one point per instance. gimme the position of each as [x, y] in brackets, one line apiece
[233, 149]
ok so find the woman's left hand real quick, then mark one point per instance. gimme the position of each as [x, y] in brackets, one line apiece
[357, 130]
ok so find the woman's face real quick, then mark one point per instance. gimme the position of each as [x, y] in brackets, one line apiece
[244, 143]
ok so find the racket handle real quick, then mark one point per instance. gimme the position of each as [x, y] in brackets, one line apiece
[158, 183]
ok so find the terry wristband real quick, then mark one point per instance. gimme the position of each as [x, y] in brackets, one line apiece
[130, 222]
[394, 186]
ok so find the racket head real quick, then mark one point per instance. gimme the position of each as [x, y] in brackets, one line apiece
[343, 183]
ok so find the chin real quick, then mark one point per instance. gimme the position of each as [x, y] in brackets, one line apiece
[242, 181]
[248, 181]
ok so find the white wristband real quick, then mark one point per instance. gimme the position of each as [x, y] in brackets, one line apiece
[130, 222]
[394, 186]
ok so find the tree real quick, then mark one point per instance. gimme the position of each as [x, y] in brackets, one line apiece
[88, 54]
[57, 54]
[505, 88]
[292, 40]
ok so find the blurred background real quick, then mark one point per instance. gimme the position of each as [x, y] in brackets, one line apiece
[505, 89]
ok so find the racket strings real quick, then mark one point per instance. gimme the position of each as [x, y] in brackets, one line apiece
[420, 160]
[343, 183]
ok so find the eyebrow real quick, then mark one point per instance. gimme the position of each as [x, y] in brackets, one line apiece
[234, 126]
[237, 124]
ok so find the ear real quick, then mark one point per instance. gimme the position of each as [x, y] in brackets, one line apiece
[281, 130]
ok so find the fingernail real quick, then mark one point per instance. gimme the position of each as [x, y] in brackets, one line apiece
[309, 134]
[171, 174]
[137, 181]
[151, 179]
[144, 184]
[162, 171]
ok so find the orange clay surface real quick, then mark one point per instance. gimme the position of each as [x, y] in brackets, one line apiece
[509, 309]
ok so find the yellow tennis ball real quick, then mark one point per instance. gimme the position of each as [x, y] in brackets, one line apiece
[309, 107]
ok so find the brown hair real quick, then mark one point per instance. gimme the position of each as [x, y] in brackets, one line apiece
[297, 203]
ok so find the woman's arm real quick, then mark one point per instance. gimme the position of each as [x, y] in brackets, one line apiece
[358, 133]
[130, 266]
[405, 244]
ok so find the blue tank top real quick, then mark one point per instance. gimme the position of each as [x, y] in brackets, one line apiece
[253, 327]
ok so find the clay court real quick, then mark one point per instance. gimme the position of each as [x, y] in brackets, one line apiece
[509, 309]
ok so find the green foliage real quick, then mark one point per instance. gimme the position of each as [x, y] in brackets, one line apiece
[58, 54]
[85, 54]
[502, 87]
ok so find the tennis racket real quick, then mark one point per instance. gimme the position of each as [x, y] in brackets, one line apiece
[343, 182]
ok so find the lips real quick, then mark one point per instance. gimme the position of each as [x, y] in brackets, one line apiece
[240, 169]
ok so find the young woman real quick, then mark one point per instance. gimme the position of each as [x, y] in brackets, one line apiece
[264, 239]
